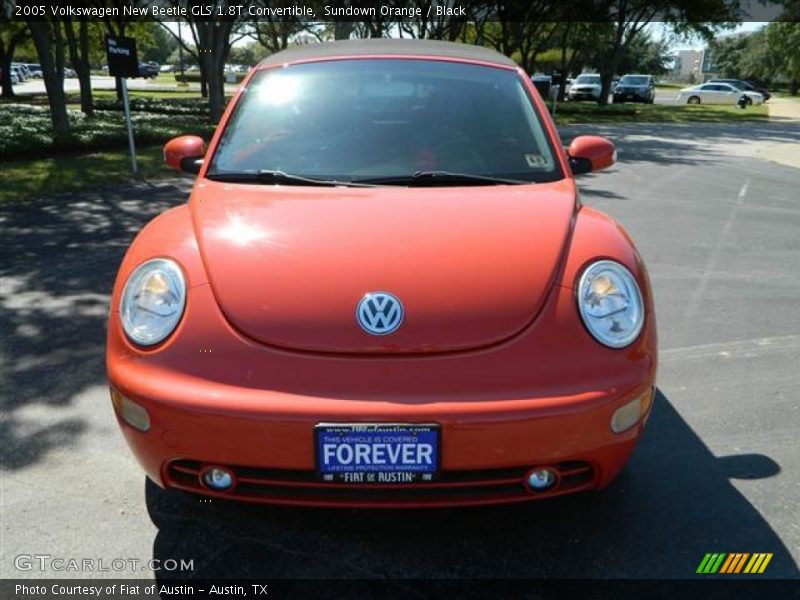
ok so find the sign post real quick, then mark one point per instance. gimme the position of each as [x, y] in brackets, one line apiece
[123, 63]
[131, 144]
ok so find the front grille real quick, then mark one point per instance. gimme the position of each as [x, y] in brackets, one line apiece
[286, 486]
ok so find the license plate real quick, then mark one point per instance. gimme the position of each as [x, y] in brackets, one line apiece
[377, 452]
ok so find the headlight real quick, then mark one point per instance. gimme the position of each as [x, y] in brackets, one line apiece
[610, 303]
[153, 301]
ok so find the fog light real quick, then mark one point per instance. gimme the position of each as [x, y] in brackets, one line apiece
[133, 414]
[541, 479]
[629, 414]
[217, 478]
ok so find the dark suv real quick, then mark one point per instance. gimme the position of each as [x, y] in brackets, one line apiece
[149, 69]
[635, 88]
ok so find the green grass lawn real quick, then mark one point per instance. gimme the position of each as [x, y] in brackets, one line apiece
[570, 113]
[32, 178]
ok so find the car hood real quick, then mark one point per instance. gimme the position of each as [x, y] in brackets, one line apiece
[471, 266]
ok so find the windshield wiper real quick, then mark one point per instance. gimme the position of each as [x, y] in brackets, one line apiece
[276, 177]
[432, 178]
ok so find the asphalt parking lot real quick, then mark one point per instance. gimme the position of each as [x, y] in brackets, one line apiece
[717, 471]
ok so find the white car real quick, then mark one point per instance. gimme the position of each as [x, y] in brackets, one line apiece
[717, 93]
[586, 86]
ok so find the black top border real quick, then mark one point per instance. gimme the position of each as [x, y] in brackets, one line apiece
[387, 11]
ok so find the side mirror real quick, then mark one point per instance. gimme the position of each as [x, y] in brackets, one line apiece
[185, 153]
[590, 153]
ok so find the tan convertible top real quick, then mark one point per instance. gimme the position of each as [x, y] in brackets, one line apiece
[395, 47]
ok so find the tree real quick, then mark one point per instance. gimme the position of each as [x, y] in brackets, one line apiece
[758, 61]
[784, 41]
[12, 33]
[212, 37]
[517, 29]
[727, 52]
[645, 55]
[630, 17]
[51, 57]
[274, 34]
[79, 57]
[156, 44]
[440, 27]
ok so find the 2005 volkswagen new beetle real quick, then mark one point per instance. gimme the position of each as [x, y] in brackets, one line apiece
[384, 291]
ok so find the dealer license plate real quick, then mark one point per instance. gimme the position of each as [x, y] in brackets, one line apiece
[377, 452]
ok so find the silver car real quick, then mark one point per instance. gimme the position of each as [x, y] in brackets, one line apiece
[717, 93]
[587, 86]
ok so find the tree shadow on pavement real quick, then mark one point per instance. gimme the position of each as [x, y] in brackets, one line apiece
[60, 257]
[672, 504]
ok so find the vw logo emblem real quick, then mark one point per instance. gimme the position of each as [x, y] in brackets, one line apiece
[379, 313]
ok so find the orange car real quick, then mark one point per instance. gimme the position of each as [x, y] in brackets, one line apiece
[383, 291]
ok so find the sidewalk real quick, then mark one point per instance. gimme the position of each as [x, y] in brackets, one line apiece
[783, 110]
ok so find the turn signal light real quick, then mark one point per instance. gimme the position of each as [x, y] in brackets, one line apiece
[133, 414]
[629, 414]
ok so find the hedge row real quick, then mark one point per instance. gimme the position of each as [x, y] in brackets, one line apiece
[26, 131]
[166, 106]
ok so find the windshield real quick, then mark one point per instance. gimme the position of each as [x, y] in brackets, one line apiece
[376, 119]
[595, 79]
[635, 80]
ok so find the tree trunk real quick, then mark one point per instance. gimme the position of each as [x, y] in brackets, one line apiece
[216, 82]
[216, 92]
[793, 87]
[53, 74]
[84, 72]
[342, 30]
[6, 56]
[79, 57]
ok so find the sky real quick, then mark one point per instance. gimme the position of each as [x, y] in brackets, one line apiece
[658, 31]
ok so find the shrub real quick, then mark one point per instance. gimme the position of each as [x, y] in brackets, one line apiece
[167, 106]
[26, 131]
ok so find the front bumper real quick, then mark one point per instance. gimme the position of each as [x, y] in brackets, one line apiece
[486, 448]
[583, 95]
[625, 96]
[544, 398]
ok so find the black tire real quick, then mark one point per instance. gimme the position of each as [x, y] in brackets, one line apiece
[748, 101]
[693, 100]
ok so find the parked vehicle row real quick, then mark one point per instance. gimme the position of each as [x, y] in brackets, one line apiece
[630, 88]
